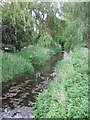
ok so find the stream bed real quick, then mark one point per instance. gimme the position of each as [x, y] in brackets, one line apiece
[18, 95]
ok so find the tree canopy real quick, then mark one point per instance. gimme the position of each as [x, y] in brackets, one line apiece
[24, 24]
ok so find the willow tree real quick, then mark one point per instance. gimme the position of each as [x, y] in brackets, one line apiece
[16, 23]
[76, 15]
[26, 22]
[46, 20]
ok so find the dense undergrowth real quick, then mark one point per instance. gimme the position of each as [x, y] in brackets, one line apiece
[37, 54]
[0, 67]
[14, 64]
[48, 42]
[67, 95]
[20, 62]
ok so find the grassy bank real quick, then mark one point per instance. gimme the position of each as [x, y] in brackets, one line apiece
[20, 62]
[67, 95]
[36, 54]
[13, 64]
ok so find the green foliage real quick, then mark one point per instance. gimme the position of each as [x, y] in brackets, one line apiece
[17, 25]
[36, 54]
[76, 15]
[13, 64]
[56, 47]
[43, 104]
[48, 42]
[22, 61]
[67, 95]
[57, 27]
[0, 66]
[45, 41]
[70, 36]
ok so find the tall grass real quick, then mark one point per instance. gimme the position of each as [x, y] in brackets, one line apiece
[13, 64]
[20, 62]
[37, 54]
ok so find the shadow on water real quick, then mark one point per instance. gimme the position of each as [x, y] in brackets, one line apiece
[19, 94]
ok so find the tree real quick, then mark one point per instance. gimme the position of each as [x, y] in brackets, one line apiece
[25, 23]
[76, 14]
[16, 24]
[47, 21]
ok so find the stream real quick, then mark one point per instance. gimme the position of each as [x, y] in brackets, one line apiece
[19, 94]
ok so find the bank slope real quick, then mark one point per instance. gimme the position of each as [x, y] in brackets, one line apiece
[67, 95]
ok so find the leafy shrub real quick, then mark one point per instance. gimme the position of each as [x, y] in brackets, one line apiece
[45, 40]
[73, 34]
[67, 95]
[43, 103]
[22, 61]
[0, 66]
[48, 42]
[13, 64]
[56, 47]
[37, 55]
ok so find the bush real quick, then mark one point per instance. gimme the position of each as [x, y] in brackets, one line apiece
[13, 64]
[56, 47]
[37, 55]
[48, 42]
[67, 95]
[20, 62]
[45, 41]
[0, 66]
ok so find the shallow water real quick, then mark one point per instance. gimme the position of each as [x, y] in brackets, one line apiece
[19, 94]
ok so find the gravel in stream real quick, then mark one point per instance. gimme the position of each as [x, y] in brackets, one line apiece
[17, 113]
[20, 97]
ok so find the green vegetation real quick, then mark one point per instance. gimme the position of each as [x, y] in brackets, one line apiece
[45, 41]
[16, 24]
[32, 33]
[0, 67]
[19, 21]
[76, 31]
[16, 63]
[37, 55]
[67, 95]
[48, 42]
